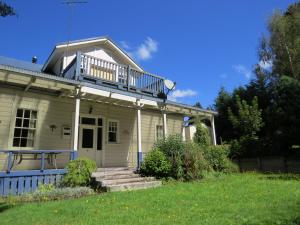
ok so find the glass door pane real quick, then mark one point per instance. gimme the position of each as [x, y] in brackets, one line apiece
[87, 138]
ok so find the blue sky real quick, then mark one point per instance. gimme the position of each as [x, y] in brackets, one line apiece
[202, 45]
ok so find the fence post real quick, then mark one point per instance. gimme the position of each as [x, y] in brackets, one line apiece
[9, 162]
[42, 161]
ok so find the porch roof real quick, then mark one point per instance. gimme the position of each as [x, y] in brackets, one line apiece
[29, 75]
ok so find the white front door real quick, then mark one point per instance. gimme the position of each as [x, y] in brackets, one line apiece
[91, 138]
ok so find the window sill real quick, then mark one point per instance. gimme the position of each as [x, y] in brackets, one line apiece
[113, 143]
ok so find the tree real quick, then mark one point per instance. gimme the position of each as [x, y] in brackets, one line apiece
[247, 121]
[191, 120]
[277, 89]
[202, 136]
[6, 10]
[224, 129]
[282, 48]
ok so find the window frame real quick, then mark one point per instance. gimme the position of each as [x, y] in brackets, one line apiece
[13, 127]
[117, 133]
[156, 133]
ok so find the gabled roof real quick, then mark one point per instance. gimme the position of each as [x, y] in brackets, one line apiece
[60, 47]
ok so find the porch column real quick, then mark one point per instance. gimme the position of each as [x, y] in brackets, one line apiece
[165, 125]
[212, 121]
[76, 123]
[139, 135]
[183, 131]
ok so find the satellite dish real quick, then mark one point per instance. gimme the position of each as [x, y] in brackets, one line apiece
[169, 84]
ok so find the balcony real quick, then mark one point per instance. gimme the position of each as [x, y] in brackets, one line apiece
[91, 69]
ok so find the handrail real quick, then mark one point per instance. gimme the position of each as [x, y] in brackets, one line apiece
[102, 70]
[13, 154]
[69, 66]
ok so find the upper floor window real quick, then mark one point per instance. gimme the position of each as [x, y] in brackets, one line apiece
[25, 128]
[113, 131]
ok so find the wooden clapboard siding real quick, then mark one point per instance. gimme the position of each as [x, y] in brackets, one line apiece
[149, 121]
[57, 111]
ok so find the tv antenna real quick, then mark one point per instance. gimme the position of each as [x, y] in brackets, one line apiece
[70, 4]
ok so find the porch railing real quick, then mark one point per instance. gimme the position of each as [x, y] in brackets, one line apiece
[15, 182]
[87, 67]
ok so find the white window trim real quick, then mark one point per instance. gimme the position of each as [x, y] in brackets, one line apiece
[118, 131]
[90, 116]
[12, 129]
[155, 131]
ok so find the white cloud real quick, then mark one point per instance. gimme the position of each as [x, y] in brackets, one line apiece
[266, 65]
[146, 49]
[125, 45]
[242, 70]
[142, 52]
[181, 94]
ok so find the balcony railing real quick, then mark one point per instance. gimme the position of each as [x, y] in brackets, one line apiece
[90, 68]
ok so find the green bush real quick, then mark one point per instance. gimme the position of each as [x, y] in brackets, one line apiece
[217, 157]
[156, 164]
[186, 159]
[173, 148]
[202, 136]
[194, 163]
[79, 172]
[172, 145]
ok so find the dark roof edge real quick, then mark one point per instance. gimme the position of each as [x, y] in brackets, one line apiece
[39, 74]
[191, 107]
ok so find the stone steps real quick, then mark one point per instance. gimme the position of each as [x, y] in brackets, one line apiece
[111, 177]
[126, 180]
[134, 186]
[109, 169]
[123, 179]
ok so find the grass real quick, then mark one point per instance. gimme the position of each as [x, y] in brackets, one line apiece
[247, 199]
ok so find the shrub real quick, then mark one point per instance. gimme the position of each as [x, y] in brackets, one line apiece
[79, 172]
[202, 136]
[217, 157]
[173, 148]
[156, 164]
[194, 163]
[172, 145]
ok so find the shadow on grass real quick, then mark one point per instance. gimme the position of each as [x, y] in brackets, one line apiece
[288, 176]
[293, 221]
[5, 206]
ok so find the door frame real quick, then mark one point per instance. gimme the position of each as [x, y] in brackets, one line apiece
[98, 153]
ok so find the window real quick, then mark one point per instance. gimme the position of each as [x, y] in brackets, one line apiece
[112, 131]
[88, 121]
[159, 132]
[25, 127]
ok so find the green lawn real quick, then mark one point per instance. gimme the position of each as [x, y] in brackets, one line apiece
[232, 199]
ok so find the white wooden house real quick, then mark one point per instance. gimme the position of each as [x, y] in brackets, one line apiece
[90, 97]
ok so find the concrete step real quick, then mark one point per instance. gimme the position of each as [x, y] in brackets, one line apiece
[126, 180]
[106, 169]
[133, 186]
[112, 177]
[111, 173]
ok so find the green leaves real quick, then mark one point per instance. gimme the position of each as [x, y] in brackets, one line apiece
[79, 172]
[248, 119]
[6, 10]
